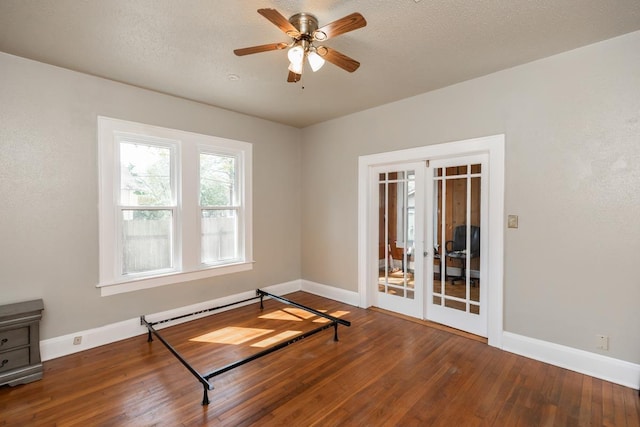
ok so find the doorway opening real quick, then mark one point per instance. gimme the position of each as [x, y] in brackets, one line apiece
[404, 264]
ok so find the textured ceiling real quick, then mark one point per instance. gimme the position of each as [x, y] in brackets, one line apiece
[185, 47]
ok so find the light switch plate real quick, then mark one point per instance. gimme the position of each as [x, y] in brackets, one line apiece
[512, 221]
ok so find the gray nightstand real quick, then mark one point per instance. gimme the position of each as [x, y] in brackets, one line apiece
[20, 342]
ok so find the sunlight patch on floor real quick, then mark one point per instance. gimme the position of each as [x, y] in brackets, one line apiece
[293, 314]
[232, 335]
[339, 313]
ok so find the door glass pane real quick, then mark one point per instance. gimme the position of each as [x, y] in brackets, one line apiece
[455, 245]
[394, 176]
[451, 171]
[396, 233]
[146, 240]
[219, 240]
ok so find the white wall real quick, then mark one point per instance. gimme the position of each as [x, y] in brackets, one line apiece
[572, 126]
[48, 194]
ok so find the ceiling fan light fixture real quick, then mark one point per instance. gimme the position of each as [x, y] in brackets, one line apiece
[315, 61]
[296, 67]
[296, 58]
[296, 54]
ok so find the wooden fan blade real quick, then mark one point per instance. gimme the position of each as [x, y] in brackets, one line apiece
[261, 48]
[280, 21]
[339, 59]
[293, 77]
[341, 26]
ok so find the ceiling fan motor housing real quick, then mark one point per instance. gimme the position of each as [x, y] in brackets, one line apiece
[306, 23]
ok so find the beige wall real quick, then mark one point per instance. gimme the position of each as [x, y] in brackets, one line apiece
[48, 194]
[572, 127]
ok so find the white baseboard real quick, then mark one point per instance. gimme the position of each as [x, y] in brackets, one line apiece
[592, 364]
[63, 345]
[336, 294]
[53, 348]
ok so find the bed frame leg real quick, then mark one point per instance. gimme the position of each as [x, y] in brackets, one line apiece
[205, 397]
[143, 322]
[335, 331]
[261, 300]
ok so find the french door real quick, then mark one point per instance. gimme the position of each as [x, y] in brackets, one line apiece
[456, 214]
[442, 281]
[400, 203]
[431, 231]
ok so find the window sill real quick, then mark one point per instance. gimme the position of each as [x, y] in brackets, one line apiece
[107, 289]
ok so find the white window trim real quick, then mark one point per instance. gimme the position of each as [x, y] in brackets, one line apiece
[188, 266]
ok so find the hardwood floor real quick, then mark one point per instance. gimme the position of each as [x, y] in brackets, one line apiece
[384, 371]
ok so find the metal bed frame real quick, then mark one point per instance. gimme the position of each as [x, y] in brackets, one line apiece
[204, 378]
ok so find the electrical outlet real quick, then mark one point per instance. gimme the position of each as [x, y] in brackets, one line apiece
[602, 342]
[77, 340]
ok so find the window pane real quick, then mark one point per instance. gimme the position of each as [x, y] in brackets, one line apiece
[217, 180]
[219, 235]
[146, 240]
[145, 175]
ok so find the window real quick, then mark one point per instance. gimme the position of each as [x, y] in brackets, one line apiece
[220, 209]
[146, 207]
[174, 206]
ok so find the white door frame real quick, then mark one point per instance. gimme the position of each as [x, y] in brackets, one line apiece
[494, 146]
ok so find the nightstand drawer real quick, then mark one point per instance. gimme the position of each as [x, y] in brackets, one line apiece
[14, 359]
[14, 338]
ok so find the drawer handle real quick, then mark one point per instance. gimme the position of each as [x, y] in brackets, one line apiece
[4, 362]
[4, 340]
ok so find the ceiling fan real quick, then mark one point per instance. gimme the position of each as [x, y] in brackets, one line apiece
[304, 32]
